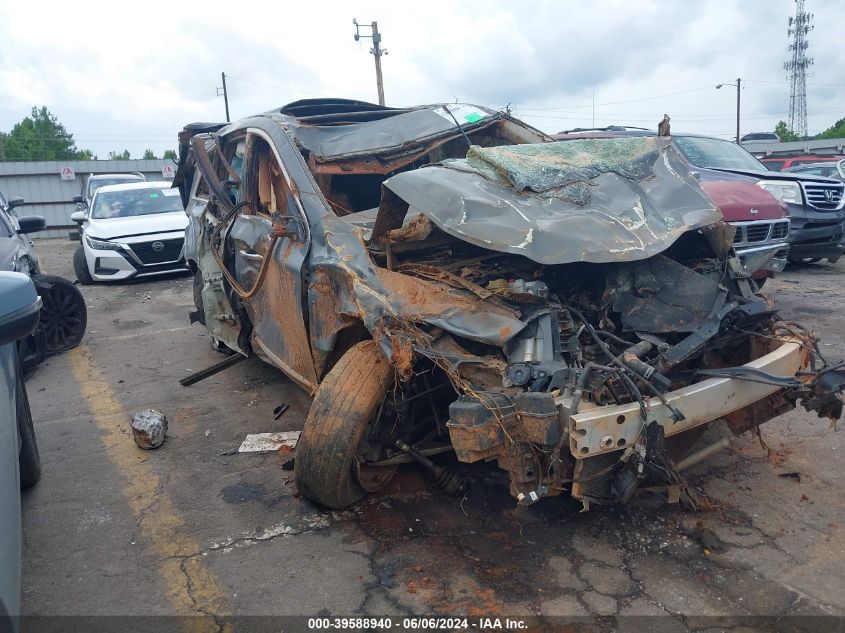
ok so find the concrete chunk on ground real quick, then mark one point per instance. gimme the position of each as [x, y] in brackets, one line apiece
[149, 428]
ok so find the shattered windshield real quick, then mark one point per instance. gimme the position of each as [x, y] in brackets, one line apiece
[564, 169]
[132, 202]
[716, 154]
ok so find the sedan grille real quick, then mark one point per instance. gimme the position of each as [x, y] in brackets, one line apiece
[158, 251]
[824, 197]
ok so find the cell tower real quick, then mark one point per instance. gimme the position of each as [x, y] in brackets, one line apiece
[797, 66]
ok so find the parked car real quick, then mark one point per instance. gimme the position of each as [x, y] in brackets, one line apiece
[782, 164]
[830, 169]
[760, 136]
[816, 205]
[63, 313]
[443, 278]
[132, 230]
[94, 182]
[762, 223]
[20, 464]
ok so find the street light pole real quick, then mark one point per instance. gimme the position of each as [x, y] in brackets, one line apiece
[738, 85]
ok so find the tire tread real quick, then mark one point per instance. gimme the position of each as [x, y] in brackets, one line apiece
[339, 415]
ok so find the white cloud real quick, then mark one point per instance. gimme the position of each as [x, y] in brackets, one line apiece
[130, 79]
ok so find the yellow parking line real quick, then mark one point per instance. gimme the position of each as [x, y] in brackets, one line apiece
[191, 587]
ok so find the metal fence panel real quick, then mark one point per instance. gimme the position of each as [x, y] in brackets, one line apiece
[45, 193]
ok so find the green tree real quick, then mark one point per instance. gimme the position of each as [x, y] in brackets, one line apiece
[837, 130]
[784, 133]
[171, 154]
[150, 155]
[40, 136]
[124, 155]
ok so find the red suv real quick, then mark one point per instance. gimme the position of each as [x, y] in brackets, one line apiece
[762, 236]
[782, 164]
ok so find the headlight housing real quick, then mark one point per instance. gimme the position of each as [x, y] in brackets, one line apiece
[101, 245]
[789, 192]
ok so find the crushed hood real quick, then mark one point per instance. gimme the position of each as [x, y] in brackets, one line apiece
[556, 203]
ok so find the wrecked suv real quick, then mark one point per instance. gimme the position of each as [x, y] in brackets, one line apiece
[442, 278]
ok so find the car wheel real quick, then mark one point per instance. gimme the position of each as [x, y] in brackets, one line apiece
[80, 267]
[63, 313]
[328, 468]
[30, 460]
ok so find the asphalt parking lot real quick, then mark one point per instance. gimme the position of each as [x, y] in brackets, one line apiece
[186, 529]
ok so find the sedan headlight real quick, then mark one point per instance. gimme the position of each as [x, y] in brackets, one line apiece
[782, 191]
[100, 245]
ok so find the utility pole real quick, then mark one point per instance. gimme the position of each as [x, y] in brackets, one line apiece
[738, 85]
[376, 50]
[797, 66]
[222, 91]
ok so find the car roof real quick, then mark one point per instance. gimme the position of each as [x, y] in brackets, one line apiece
[622, 132]
[825, 163]
[129, 186]
[111, 176]
[344, 128]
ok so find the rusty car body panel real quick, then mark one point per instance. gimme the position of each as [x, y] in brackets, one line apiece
[566, 311]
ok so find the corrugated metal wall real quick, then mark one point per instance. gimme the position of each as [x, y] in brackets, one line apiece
[40, 184]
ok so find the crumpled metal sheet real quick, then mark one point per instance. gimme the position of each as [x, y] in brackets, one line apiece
[626, 219]
[388, 302]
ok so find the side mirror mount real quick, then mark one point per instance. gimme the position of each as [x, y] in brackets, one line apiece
[79, 200]
[78, 216]
[288, 226]
[15, 202]
[31, 224]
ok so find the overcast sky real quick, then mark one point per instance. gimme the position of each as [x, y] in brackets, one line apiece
[130, 78]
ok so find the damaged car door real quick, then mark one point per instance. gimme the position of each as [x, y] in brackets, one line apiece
[269, 239]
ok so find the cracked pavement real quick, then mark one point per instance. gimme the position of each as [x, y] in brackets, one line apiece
[183, 529]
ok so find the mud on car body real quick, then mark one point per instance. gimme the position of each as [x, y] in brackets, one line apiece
[441, 278]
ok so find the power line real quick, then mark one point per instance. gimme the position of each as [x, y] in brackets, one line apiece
[590, 105]
[809, 83]
[278, 87]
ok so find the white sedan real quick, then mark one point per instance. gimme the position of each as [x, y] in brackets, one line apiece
[131, 230]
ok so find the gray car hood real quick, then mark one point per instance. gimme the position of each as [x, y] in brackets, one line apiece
[556, 203]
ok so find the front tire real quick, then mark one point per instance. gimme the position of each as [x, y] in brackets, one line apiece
[347, 401]
[63, 313]
[80, 267]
